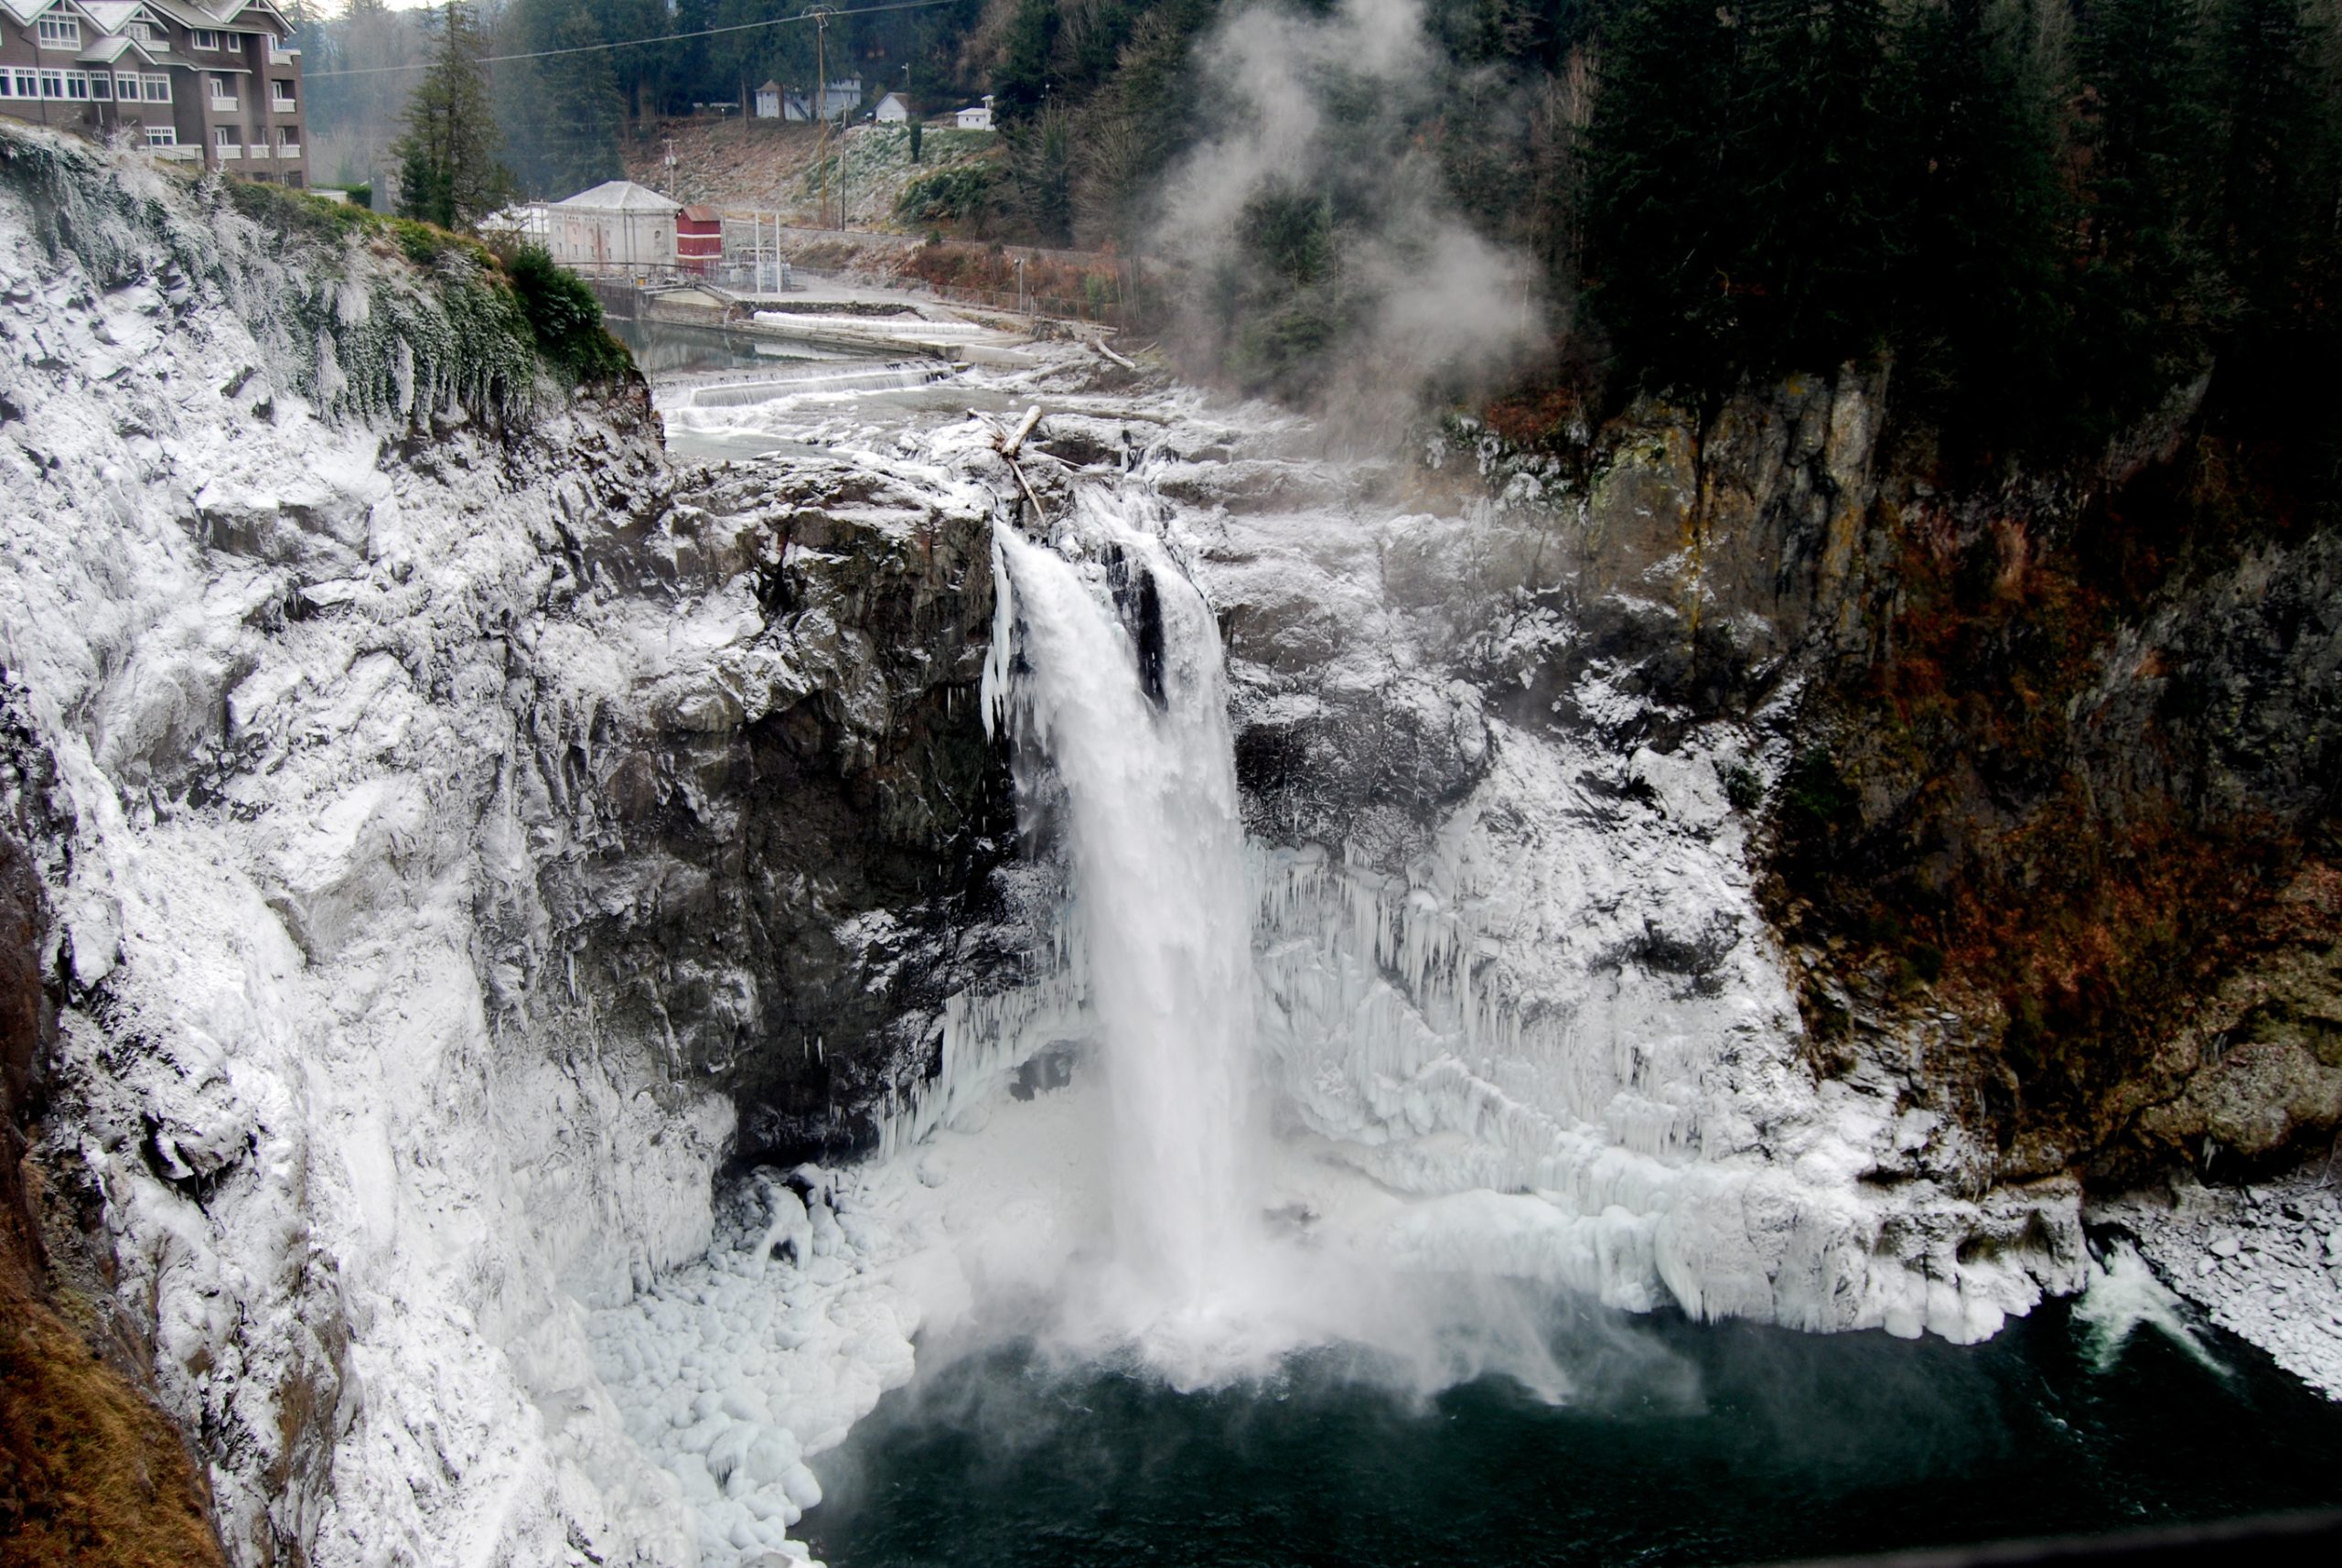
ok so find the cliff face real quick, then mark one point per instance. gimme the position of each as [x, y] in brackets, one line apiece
[781, 826]
[2052, 826]
[460, 836]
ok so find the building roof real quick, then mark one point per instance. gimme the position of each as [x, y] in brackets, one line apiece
[26, 10]
[620, 196]
[219, 13]
[700, 212]
[108, 50]
[770, 87]
[109, 14]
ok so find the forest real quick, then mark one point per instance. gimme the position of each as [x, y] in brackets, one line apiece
[2048, 213]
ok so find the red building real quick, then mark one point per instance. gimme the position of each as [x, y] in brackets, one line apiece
[699, 239]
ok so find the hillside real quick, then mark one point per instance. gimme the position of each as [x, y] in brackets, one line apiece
[795, 170]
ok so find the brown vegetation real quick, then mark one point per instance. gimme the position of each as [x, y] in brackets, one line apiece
[1987, 826]
[90, 1473]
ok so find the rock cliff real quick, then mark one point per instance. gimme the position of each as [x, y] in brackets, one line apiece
[2054, 820]
[464, 837]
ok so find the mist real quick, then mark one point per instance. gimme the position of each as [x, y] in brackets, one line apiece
[1326, 253]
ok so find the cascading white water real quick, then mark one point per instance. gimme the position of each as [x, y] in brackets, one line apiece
[1118, 695]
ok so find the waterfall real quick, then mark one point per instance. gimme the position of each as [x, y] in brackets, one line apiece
[1116, 694]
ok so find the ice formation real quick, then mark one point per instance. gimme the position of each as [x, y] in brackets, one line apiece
[355, 1208]
[1555, 1036]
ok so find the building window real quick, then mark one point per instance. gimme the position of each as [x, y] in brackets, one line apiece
[162, 137]
[61, 33]
[7, 84]
[125, 87]
[282, 91]
[289, 143]
[223, 92]
[228, 140]
[77, 86]
[101, 86]
[53, 84]
[205, 38]
[157, 85]
[145, 32]
[28, 85]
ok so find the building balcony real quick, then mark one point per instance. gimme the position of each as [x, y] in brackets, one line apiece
[223, 105]
[260, 150]
[285, 105]
[177, 155]
[228, 154]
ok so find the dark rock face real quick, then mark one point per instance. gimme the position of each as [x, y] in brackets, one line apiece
[783, 874]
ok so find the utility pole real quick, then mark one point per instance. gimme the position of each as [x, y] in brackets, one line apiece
[821, 71]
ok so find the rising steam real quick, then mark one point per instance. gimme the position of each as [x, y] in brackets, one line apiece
[1330, 110]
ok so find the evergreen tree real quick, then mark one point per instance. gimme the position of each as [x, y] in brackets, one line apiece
[2275, 155]
[2151, 296]
[1129, 130]
[2277, 226]
[1822, 227]
[1664, 203]
[1023, 80]
[1981, 296]
[564, 125]
[448, 169]
[1040, 172]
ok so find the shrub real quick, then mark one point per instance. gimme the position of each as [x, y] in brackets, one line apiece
[948, 196]
[1743, 787]
[565, 316]
[1814, 797]
[289, 211]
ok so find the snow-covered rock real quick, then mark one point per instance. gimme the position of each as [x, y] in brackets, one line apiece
[439, 780]
[2263, 1260]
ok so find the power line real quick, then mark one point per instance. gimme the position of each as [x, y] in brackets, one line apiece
[634, 43]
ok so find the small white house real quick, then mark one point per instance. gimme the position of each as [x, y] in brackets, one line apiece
[617, 227]
[769, 101]
[892, 109]
[976, 117]
[839, 100]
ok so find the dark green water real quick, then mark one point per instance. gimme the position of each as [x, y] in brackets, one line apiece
[1689, 1444]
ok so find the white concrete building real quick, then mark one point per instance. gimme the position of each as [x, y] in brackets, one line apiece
[617, 227]
[976, 117]
[892, 109]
